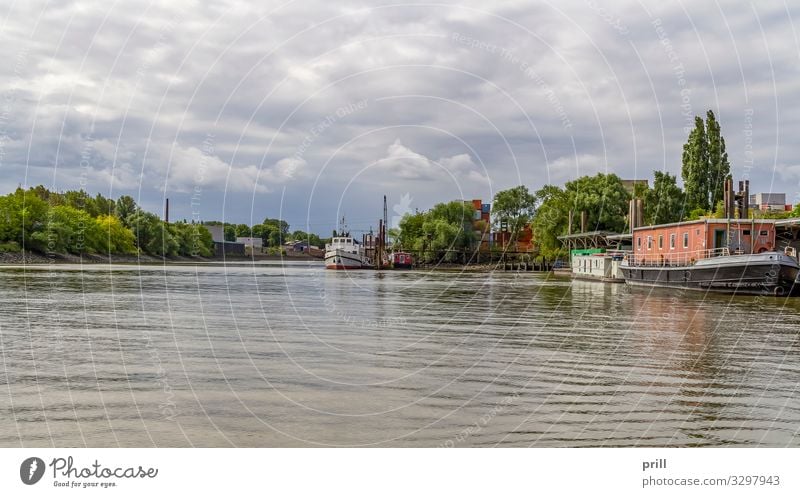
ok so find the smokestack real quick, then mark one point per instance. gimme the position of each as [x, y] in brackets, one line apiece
[166, 212]
[639, 212]
[746, 199]
[632, 214]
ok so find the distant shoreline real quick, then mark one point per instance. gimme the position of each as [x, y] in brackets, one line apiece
[37, 259]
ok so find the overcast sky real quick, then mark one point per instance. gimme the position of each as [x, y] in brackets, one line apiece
[309, 110]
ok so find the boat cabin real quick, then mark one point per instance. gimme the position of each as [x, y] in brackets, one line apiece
[402, 260]
[685, 242]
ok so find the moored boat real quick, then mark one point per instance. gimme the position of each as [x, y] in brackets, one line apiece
[742, 259]
[344, 252]
[767, 273]
[402, 260]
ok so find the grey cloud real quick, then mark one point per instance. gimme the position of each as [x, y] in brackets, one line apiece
[521, 89]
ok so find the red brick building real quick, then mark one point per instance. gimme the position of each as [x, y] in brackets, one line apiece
[692, 240]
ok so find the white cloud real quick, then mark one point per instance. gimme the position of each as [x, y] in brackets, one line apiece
[190, 167]
[401, 162]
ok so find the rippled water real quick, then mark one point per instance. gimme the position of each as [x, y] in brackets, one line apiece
[293, 355]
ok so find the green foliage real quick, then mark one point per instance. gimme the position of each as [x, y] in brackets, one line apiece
[193, 239]
[22, 214]
[118, 238]
[230, 233]
[664, 203]
[69, 230]
[75, 222]
[311, 238]
[759, 214]
[551, 220]
[125, 208]
[696, 214]
[516, 206]
[411, 234]
[10, 247]
[443, 233]
[604, 199]
[705, 164]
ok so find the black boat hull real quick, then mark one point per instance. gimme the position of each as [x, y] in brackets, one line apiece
[765, 274]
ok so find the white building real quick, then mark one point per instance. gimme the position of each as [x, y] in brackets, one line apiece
[769, 202]
[217, 232]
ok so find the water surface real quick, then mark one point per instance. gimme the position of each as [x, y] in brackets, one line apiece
[293, 355]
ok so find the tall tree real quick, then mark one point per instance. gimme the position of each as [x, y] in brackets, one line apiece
[719, 167]
[705, 164]
[694, 170]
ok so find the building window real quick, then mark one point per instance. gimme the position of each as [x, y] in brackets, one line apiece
[638, 242]
[649, 242]
[672, 241]
[686, 240]
[660, 242]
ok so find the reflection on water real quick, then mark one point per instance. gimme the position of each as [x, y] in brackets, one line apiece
[276, 355]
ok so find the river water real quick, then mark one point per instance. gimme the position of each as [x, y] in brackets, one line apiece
[293, 355]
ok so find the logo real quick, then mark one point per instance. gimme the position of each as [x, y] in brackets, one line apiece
[401, 209]
[31, 470]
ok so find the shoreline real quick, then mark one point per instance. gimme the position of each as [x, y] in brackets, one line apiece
[37, 259]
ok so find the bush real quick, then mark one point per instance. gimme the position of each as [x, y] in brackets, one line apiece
[10, 247]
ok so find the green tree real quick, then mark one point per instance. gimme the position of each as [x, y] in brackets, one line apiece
[152, 235]
[444, 233]
[694, 170]
[243, 230]
[665, 202]
[705, 164]
[411, 235]
[551, 220]
[22, 214]
[516, 206]
[68, 229]
[229, 231]
[118, 238]
[604, 199]
[125, 208]
[719, 169]
[275, 232]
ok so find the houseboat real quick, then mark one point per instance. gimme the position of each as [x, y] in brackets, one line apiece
[597, 264]
[719, 255]
[402, 260]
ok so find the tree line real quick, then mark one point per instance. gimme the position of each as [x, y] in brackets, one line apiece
[272, 232]
[76, 223]
[603, 198]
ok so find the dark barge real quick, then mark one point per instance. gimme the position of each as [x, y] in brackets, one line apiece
[767, 273]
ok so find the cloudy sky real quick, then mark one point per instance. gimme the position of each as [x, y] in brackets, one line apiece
[308, 110]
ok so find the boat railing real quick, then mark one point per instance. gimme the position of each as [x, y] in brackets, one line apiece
[677, 258]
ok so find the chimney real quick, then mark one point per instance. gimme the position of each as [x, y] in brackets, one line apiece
[746, 199]
[166, 212]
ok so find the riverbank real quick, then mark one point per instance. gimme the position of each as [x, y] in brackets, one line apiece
[35, 258]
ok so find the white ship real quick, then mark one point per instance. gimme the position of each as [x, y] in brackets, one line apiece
[345, 253]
